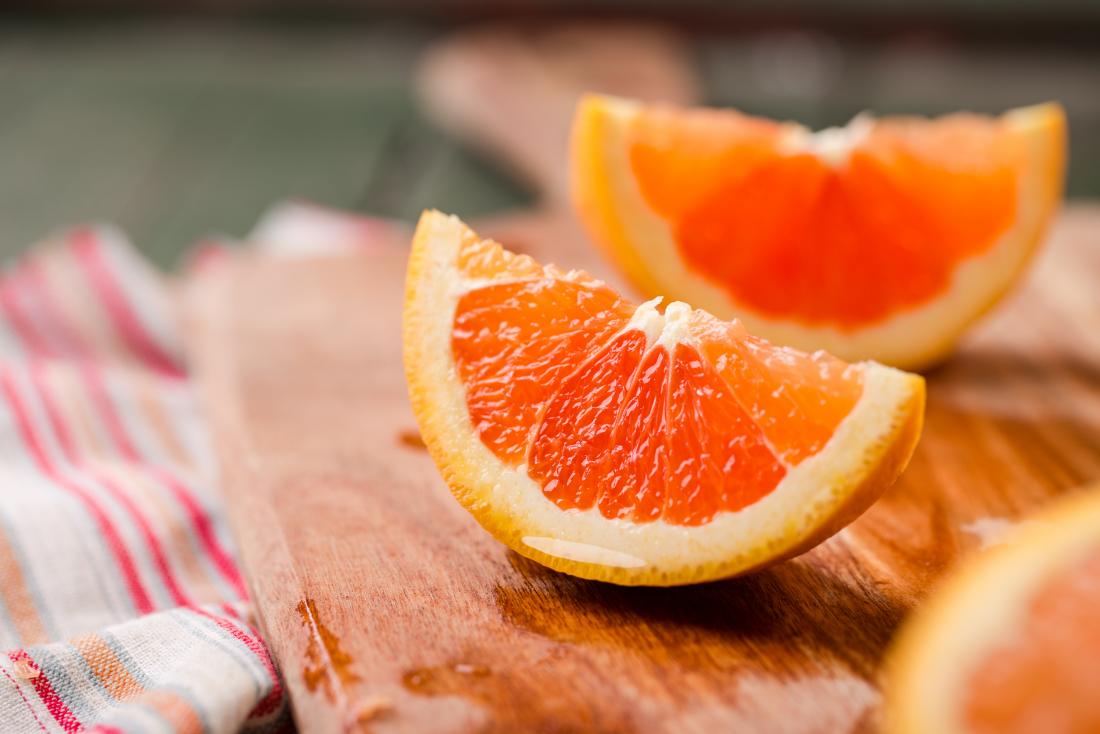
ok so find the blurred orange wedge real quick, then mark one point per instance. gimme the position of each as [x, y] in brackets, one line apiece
[881, 240]
[613, 441]
[1011, 643]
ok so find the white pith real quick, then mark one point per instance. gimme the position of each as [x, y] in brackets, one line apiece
[979, 609]
[648, 320]
[661, 329]
[775, 523]
[908, 338]
[833, 144]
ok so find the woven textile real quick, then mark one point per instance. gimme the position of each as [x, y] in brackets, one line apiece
[122, 608]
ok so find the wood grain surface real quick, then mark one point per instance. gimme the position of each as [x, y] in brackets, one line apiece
[389, 609]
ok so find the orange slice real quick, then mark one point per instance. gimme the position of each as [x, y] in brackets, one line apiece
[1011, 643]
[612, 441]
[881, 240]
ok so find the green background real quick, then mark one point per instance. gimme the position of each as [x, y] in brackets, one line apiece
[177, 129]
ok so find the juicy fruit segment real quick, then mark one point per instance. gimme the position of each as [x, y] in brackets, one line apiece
[513, 344]
[797, 399]
[623, 443]
[570, 452]
[885, 239]
[1009, 643]
[844, 228]
[1045, 677]
[720, 456]
[615, 407]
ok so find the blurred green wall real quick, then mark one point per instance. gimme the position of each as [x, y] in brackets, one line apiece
[176, 128]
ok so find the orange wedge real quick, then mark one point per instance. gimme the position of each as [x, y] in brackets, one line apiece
[613, 441]
[881, 240]
[1011, 643]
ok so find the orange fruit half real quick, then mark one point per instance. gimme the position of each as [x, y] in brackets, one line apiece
[881, 240]
[614, 441]
[1011, 643]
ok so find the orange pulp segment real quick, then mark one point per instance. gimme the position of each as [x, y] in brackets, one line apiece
[1045, 677]
[559, 381]
[846, 238]
[1009, 642]
[619, 442]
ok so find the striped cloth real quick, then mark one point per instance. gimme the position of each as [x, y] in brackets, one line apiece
[122, 608]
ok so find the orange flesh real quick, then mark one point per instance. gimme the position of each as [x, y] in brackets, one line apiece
[516, 342]
[790, 235]
[1046, 679]
[554, 380]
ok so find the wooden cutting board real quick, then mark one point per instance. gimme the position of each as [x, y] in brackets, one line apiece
[389, 609]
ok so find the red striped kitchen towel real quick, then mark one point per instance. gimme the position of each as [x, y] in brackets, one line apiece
[122, 608]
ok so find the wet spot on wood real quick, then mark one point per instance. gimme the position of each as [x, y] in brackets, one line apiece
[328, 667]
[444, 680]
[412, 439]
[372, 708]
[989, 530]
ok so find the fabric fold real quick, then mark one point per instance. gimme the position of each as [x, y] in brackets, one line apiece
[122, 606]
